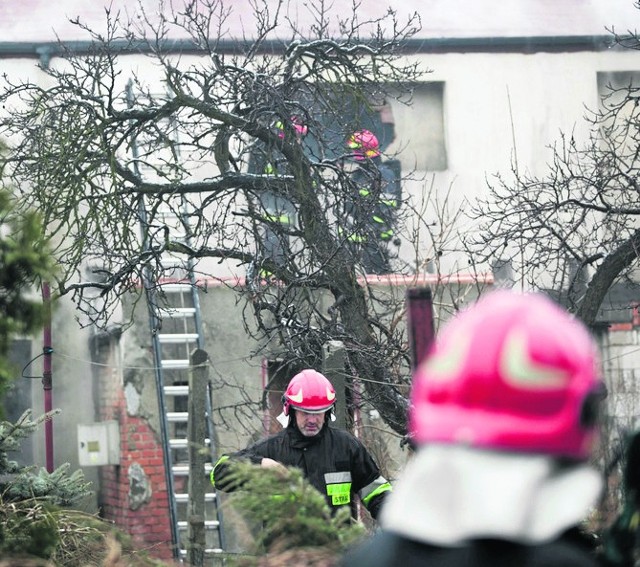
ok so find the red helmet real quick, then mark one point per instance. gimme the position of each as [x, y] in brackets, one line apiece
[364, 145]
[515, 372]
[309, 391]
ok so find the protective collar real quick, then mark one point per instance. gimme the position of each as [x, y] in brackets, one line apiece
[449, 494]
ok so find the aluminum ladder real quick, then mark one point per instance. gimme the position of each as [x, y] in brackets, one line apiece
[175, 321]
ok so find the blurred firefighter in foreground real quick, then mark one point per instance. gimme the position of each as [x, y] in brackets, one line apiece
[504, 415]
[332, 460]
[371, 211]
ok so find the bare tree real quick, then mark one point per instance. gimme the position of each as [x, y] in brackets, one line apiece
[574, 229]
[104, 151]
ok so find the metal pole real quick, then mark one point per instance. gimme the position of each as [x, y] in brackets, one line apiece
[47, 381]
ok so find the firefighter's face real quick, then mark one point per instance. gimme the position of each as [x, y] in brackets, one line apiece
[309, 424]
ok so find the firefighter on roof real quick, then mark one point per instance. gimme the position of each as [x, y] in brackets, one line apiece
[371, 209]
[278, 212]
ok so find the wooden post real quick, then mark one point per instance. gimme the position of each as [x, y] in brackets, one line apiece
[333, 367]
[196, 439]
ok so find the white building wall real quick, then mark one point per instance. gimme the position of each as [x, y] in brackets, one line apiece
[496, 107]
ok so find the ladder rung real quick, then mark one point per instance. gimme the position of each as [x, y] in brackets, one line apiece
[183, 470]
[177, 338]
[176, 287]
[175, 364]
[208, 524]
[208, 497]
[208, 551]
[183, 443]
[172, 262]
[177, 311]
[177, 416]
[182, 390]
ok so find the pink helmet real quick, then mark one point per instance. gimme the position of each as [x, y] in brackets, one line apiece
[299, 127]
[364, 145]
[515, 372]
[309, 391]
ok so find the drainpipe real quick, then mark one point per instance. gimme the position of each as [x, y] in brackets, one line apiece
[47, 381]
[44, 51]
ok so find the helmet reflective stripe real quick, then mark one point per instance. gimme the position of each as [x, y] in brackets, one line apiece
[518, 368]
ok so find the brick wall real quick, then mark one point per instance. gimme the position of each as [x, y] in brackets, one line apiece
[133, 494]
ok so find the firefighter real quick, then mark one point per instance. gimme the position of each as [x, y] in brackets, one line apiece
[332, 460]
[371, 210]
[277, 211]
[504, 416]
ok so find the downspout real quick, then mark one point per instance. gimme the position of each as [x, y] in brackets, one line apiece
[47, 380]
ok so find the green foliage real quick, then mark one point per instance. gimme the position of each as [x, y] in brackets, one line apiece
[68, 538]
[58, 487]
[86, 541]
[24, 261]
[27, 527]
[291, 513]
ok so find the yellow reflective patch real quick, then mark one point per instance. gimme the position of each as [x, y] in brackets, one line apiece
[340, 493]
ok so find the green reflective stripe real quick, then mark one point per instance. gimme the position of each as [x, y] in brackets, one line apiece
[389, 202]
[340, 493]
[339, 488]
[353, 237]
[378, 219]
[269, 169]
[282, 219]
[386, 235]
[386, 487]
[364, 192]
[218, 462]
[378, 486]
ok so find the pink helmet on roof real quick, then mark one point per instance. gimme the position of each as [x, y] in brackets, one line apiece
[299, 127]
[364, 145]
[515, 372]
[309, 391]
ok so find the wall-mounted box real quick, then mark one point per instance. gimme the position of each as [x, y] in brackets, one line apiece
[99, 444]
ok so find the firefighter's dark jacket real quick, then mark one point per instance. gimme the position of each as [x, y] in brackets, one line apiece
[387, 549]
[333, 461]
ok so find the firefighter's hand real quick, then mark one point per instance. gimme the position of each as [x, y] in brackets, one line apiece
[279, 468]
